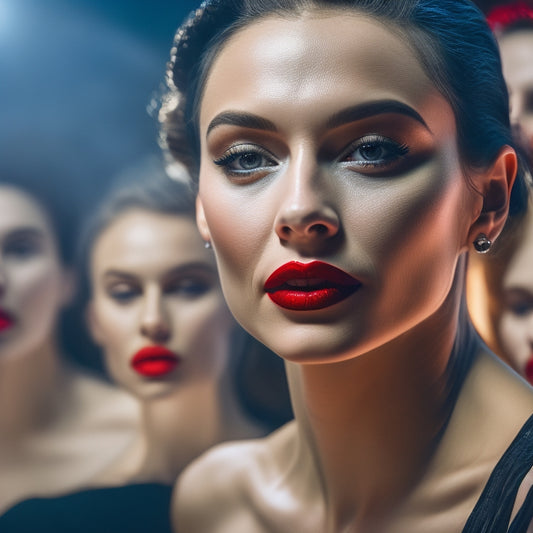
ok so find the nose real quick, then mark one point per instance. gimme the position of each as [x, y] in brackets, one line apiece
[306, 217]
[154, 323]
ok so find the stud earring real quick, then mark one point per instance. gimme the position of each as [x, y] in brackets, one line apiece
[482, 244]
[207, 245]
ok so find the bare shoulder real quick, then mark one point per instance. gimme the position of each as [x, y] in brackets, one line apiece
[216, 492]
[496, 399]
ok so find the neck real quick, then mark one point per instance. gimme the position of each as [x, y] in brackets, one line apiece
[164, 447]
[372, 422]
[29, 391]
[177, 427]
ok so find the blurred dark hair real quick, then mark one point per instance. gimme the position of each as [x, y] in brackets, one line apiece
[148, 186]
[451, 38]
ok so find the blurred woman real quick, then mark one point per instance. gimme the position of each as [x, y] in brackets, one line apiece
[156, 309]
[59, 426]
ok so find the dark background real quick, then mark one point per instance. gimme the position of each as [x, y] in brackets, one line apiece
[76, 79]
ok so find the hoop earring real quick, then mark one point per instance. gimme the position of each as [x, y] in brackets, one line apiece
[482, 244]
[207, 245]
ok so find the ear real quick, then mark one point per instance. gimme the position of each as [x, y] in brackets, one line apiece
[201, 222]
[495, 186]
[93, 324]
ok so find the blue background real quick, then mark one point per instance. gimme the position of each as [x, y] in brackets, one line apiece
[76, 79]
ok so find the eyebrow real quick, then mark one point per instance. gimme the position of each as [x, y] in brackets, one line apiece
[186, 268]
[370, 109]
[244, 120]
[345, 116]
[114, 273]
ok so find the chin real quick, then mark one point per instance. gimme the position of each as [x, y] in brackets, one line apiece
[313, 344]
[152, 390]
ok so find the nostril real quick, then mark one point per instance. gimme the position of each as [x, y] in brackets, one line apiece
[285, 231]
[319, 229]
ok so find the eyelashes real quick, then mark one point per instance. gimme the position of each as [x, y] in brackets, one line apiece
[374, 151]
[371, 154]
[245, 159]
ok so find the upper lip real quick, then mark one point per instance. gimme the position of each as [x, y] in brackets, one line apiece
[308, 275]
[154, 352]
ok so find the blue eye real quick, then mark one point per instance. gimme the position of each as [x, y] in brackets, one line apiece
[244, 160]
[374, 151]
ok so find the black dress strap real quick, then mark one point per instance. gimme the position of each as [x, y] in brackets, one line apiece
[492, 512]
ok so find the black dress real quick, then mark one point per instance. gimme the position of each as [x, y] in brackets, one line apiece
[492, 512]
[142, 508]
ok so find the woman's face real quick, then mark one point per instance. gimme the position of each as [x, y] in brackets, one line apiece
[157, 309]
[516, 324]
[517, 60]
[322, 139]
[33, 283]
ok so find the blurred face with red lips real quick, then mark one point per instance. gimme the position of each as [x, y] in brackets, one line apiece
[34, 285]
[331, 145]
[155, 285]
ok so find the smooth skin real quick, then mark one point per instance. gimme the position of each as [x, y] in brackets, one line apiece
[333, 145]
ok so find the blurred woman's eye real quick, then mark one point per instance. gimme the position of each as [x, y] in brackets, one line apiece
[374, 152]
[521, 308]
[188, 287]
[519, 302]
[123, 292]
[246, 160]
[22, 249]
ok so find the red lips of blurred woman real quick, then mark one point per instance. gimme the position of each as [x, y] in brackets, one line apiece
[154, 361]
[309, 286]
[6, 320]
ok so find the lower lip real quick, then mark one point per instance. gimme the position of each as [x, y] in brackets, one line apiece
[298, 300]
[154, 363]
[529, 371]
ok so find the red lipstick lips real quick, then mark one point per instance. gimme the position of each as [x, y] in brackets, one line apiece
[6, 320]
[309, 286]
[154, 361]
